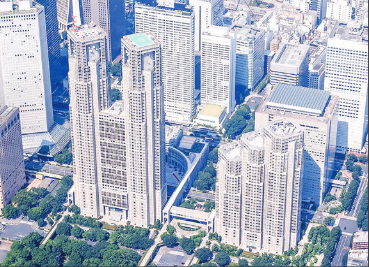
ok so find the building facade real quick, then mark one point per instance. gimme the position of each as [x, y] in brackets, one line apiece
[315, 111]
[346, 76]
[207, 12]
[218, 63]
[12, 172]
[249, 56]
[24, 64]
[89, 94]
[258, 197]
[290, 65]
[340, 10]
[144, 127]
[317, 67]
[175, 29]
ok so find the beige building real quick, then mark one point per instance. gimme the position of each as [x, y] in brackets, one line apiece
[315, 111]
[258, 198]
[12, 173]
[89, 94]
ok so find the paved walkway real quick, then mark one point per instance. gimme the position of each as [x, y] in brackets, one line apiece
[49, 235]
[157, 240]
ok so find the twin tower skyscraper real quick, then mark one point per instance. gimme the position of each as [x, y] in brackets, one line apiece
[119, 148]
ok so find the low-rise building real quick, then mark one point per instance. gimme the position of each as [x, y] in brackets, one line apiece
[212, 115]
[360, 240]
[358, 258]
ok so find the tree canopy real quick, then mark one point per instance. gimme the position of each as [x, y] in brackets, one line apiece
[203, 254]
[188, 245]
[222, 258]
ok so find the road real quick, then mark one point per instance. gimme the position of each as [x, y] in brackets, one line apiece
[318, 217]
[360, 192]
[37, 166]
[201, 196]
[341, 249]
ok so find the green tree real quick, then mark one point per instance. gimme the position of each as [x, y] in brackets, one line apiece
[10, 212]
[243, 262]
[329, 198]
[188, 245]
[222, 258]
[158, 225]
[344, 259]
[75, 209]
[211, 170]
[209, 205]
[115, 95]
[35, 213]
[329, 221]
[213, 155]
[351, 157]
[363, 159]
[41, 222]
[77, 231]
[170, 241]
[171, 229]
[63, 229]
[203, 254]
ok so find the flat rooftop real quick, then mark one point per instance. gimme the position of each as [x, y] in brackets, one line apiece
[231, 150]
[115, 109]
[286, 95]
[292, 55]
[212, 110]
[141, 39]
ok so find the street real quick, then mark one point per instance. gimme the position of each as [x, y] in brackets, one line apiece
[341, 249]
[201, 196]
[360, 192]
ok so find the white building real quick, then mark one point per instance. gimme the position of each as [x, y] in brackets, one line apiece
[258, 197]
[249, 56]
[218, 63]
[24, 64]
[340, 10]
[347, 77]
[12, 173]
[317, 67]
[175, 29]
[207, 12]
[144, 128]
[89, 94]
[315, 111]
[290, 65]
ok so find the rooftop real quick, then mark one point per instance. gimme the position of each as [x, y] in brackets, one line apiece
[212, 110]
[361, 236]
[254, 139]
[87, 32]
[115, 109]
[292, 55]
[281, 127]
[141, 39]
[231, 150]
[313, 100]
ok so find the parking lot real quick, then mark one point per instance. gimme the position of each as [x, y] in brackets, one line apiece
[18, 231]
[171, 257]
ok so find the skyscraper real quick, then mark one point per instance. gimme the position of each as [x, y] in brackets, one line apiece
[315, 111]
[249, 56]
[144, 127]
[175, 29]
[89, 94]
[258, 195]
[207, 12]
[53, 37]
[347, 77]
[12, 173]
[24, 64]
[97, 12]
[218, 63]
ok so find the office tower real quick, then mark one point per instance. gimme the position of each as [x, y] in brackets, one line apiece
[129, 16]
[340, 10]
[24, 64]
[258, 197]
[175, 29]
[320, 6]
[97, 12]
[89, 93]
[228, 193]
[68, 13]
[317, 67]
[315, 111]
[346, 75]
[290, 65]
[53, 38]
[12, 173]
[207, 12]
[218, 62]
[249, 56]
[119, 27]
[144, 127]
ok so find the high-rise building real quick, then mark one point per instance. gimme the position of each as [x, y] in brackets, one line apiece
[144, 128]
[12, 172]
[53, 38]
[249, 56]
[346, 75]
[290, 65]
[89, 94]
[340, 10]
[258, 197]
[207, 12]
[24, 64]
[315, 111]
[218, 63]
[97, 12]
[68, 13]
[175, 29]
[317, 67]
